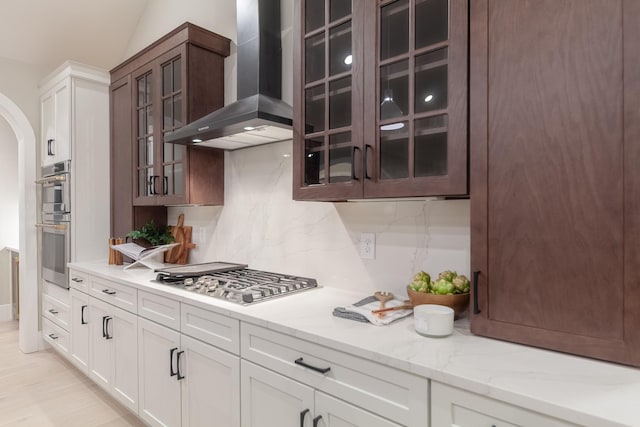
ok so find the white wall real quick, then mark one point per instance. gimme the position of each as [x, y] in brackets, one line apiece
[9, 219]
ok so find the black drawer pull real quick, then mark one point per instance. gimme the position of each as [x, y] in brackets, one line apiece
[53, 311]
[316, 420]
[108, 292]
[302, 415]
[300, 362]
[77, 280]
[53, 337]
[172, 373]
[476, 308]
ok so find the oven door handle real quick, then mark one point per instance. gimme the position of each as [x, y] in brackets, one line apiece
[52, 179]
[56, 226]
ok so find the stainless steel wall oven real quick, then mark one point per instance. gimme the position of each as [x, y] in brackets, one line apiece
[55, 221]
[55, 192]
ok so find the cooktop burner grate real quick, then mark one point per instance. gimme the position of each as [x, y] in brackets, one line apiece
[242, 285]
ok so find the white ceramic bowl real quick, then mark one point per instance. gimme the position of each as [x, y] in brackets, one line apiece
[433, 320]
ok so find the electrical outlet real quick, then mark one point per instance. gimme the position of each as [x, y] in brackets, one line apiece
[367, 245]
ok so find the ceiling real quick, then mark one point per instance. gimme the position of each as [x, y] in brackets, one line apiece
[45, 33]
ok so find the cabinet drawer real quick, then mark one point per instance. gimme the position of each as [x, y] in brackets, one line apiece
[212, 328]
[160, 309]
[452, 406]
[394, 394]
[61, 294]
[56, 336]
[116, 294]
[79, 281]
[56, 311]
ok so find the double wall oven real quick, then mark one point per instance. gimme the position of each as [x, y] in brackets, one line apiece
[55, 221]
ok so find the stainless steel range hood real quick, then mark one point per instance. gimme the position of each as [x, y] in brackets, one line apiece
[259, 116]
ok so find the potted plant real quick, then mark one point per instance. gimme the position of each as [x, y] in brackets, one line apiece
[151, 235]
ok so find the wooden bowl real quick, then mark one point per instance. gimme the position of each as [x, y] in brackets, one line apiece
[458, 302]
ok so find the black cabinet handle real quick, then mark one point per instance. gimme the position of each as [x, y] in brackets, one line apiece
[165, 184]
[172, 373]
[53, 337]
[353, 163]
[316, 420]
[178, 355]
[82, 321]
[77, 280]
[153, 184]
[106, 328]
[302, 415]
[300, 362]
[104, 322]
[476, 308]
[50, 147]
[366, 161]
[108, 292]
[52, 311]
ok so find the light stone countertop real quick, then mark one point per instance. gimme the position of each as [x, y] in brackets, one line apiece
[576, 389]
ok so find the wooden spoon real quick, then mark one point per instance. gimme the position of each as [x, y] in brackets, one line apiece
[383, 297]
[406, 306]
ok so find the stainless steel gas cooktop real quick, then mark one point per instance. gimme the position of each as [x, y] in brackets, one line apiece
[233, 282]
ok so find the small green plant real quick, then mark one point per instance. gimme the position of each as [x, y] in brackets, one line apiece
[152, 234]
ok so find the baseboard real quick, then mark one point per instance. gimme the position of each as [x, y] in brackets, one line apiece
[6, 313]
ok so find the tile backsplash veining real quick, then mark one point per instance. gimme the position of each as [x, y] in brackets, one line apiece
[262, 226]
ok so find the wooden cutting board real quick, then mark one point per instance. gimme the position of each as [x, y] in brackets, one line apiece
[182, 234]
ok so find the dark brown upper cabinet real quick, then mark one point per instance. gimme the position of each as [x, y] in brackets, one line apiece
[555, 212]
[380, 99]
[175, 80]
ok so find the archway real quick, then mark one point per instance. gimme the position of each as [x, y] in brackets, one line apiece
[29, 337]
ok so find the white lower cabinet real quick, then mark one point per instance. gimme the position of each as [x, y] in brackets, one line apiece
[79, 330]
[387, 396]
[273, 400]
[454, 407]
[113, 351]
[211, 385]
[184, 381]
[158, 374]
[332, 412]
[178, 365]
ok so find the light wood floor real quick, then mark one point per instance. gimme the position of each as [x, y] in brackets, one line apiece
[44, 390]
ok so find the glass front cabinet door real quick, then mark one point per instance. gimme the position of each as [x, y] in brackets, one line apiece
[381, 108]
[328, 99]
[159, 174]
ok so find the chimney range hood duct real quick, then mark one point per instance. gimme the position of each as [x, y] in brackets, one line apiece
[259, 116]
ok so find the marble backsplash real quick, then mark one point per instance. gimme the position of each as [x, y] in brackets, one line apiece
[262, 226]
